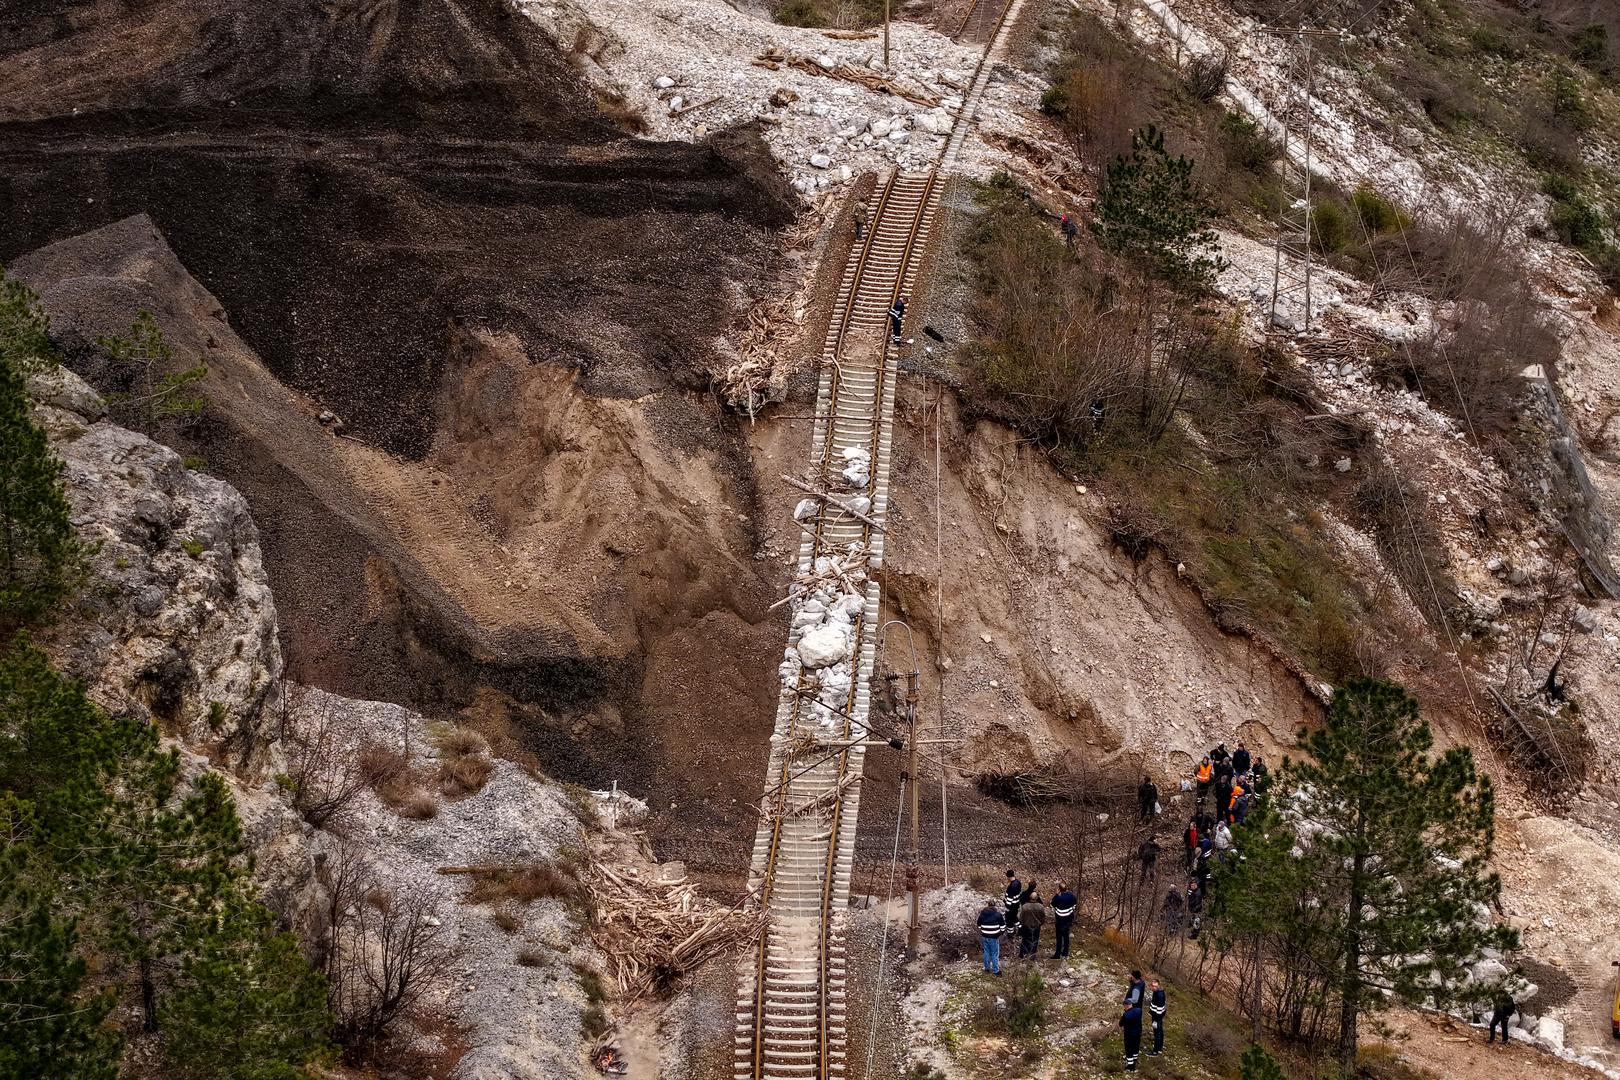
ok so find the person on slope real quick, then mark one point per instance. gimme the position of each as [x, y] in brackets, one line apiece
[1156, 1011]
[991, 925]
[1147, 799]
[1031, 917]
[1063, 908]
[1131, 1025]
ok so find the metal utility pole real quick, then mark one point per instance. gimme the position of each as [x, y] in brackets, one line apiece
[886, 34]
[914, 852]
[1293, 242]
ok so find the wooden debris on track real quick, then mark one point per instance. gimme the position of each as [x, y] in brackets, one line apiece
[653, 930]
[861, 76]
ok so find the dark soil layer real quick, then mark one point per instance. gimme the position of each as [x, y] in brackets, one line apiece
[352, 179]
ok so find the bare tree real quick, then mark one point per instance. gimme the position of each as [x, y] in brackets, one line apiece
[323, 765]
[384, 954]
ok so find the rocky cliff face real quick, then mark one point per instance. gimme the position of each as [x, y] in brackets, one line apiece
[177, 623]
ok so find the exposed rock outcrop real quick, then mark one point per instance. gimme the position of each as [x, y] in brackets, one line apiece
[178, 622]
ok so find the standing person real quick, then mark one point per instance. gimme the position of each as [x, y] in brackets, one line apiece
[896, 314]
[1204, 776]
[1031, 917]
[1195, 908]
[1147, 799]
[1190, 838]
[1173, 906]
[1147, 852]
[1232, 803]
[1505, 1008]
[1240, 760]
[991, 925]
[1011, 897]
[1063, 907]
[1240, 807]
[1260, 775]
[1137, 991]
[860, 218]
[1069, 229]
[1156, 1009]
[1131, 1025]
[1219, 755]
[1097, 417]
[1223, 792]
[1223, 841]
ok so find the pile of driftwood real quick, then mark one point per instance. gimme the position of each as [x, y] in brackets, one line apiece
[775, 59]
[842, 573]
[653, 930]
[768, 339]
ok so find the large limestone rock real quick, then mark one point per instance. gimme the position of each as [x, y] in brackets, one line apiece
[176, 619]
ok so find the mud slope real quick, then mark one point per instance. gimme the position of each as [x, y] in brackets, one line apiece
[355, 179]
[406, 212]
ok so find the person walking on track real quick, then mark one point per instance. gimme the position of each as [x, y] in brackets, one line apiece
[991, 925]
[1131, 1025]
[1156, 1010]
[1063, 907]
[860, 218]
[897, 313]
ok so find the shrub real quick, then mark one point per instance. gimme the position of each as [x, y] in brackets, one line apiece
[1026, 1006]
[522, 885]
[1100, 111]
[1330, 225]
[1589, 46]
[1205, 77]
[1245, 145]
[1376, 213]
[1574, 220]
[1569, 101]
[40, 558]
[799, 13]
[25, 342]
[464, 764]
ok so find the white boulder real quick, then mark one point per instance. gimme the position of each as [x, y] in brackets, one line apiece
[824, 646]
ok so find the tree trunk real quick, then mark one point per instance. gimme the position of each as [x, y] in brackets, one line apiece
[1350, 992]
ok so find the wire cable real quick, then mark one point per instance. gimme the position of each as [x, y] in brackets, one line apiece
[883, 948]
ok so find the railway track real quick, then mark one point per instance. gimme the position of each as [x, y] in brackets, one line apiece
[792, 1017]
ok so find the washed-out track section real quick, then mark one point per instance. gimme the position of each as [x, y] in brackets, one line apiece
[791, 1014]
[792, 1017]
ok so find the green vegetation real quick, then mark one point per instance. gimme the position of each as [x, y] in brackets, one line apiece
[1256, 1064]
[1060, 334]
[25, 343]
[145, 870]
[1155, 217]
[153, 388]
[1376, 903]
[40, 561]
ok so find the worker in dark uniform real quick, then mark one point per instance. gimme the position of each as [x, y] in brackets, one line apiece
[991, 924]
[1147, 799]
[1063, 907]
[1011, 897]
[1505, 1008]
[1156, 1010]
[1131, 1025]
[896, 314]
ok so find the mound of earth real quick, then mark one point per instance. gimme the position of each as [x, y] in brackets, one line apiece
[409, 214]
[356, 180]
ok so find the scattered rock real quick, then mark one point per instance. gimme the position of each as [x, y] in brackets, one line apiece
[820, 161]
[1343, 464]
[664, 82]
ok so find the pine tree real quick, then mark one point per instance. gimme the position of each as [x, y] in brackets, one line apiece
[39, 558]
[1153, 214]
[1256, 1064]
[51, 1027]
[25, 342]
[245, 1005]
[1372, 864]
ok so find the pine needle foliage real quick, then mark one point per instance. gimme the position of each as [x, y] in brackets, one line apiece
[1155, 216]
[1367, 875]
[39, 557]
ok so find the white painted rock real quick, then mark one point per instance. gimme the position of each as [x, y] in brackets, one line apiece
[824, 646]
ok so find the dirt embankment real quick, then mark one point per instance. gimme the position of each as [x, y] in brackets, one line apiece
[408, 214]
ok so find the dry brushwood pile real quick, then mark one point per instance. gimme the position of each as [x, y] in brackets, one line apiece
[653, 930]
[861, 76]
[771, 334]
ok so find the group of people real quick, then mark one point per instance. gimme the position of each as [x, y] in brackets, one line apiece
[1024, 913]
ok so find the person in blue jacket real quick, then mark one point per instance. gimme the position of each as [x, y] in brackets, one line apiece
[1063, 905]
[1131, 1025]
[1156, 1010]
[991, 924]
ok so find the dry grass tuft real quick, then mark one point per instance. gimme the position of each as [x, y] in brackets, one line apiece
[523, 885]
[464, 764]
[508, 920]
